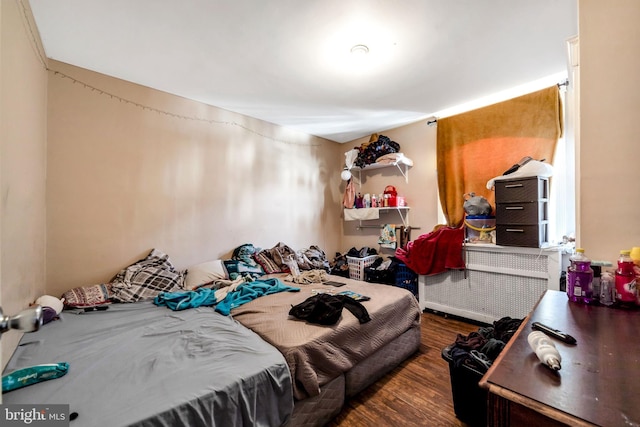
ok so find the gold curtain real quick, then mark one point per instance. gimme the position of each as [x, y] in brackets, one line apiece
[476, 146]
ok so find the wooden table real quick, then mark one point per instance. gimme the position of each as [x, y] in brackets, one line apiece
[599, 383]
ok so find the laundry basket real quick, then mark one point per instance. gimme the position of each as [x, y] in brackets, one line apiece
[357, 266]
[469, 399]
[407, 279]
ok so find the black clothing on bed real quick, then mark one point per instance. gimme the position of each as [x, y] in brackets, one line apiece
[326, 309]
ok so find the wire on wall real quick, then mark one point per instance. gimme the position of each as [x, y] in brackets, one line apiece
[174, 115]
[42, 59]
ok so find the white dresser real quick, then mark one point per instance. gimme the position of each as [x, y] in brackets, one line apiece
[499, 281]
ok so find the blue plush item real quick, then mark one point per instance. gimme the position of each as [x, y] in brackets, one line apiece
[32, 375]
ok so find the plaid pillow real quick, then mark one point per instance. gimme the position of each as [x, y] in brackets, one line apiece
[146, 278]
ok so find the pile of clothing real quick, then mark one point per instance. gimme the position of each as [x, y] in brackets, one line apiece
[382, 271]
[377, 147]
[479, 350]
[281, 258]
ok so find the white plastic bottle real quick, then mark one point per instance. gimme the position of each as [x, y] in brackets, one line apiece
[545, 349]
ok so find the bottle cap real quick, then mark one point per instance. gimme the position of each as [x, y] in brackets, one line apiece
[580, 250]
[625, 252]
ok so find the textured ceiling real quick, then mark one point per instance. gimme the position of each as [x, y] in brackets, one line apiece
[288, 61]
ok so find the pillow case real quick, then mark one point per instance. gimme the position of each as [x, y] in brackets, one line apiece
[204, 274]
[87, 296]
[146, 278]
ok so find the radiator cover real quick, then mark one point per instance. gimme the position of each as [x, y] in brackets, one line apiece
[499, 281]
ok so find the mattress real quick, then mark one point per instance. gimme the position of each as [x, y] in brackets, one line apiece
[142, 365]
[321, 409]
[317, 354]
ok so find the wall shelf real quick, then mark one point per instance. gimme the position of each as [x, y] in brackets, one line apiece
[403, 211]
[402, 167]
[375, 217]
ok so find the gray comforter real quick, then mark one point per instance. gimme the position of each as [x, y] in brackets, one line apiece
[138, 364]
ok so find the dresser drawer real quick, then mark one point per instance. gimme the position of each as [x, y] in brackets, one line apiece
[528, 189]
[530, 236]
[521, 212]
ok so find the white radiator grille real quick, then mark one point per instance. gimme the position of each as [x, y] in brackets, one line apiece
[516, 261]
[483, 295]
[496, 284]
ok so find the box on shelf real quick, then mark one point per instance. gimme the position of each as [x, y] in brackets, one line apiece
[357, 266]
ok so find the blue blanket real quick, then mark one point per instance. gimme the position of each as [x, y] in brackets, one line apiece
[205, 297]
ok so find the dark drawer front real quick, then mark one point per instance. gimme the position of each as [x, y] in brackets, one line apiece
[521, 213]
[530, 236]
[521, 190]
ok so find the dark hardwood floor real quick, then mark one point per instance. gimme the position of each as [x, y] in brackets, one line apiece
[418, 392]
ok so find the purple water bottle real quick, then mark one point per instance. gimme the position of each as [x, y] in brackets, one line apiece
[580, 278]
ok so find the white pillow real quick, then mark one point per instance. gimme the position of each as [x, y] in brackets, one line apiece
[204, 273]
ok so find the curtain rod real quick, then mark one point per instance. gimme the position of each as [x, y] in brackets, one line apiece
[433, 121]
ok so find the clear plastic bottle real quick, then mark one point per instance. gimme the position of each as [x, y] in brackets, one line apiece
[607, 289]
[580, 278]
[625, 280]
[595, 284]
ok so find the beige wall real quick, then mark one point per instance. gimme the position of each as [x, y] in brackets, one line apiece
[191, 180]
[609, 127]
[23, 121]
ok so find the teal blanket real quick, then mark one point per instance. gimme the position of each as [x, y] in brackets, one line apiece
[205, 297]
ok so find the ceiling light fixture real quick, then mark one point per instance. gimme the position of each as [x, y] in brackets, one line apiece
[359, 49]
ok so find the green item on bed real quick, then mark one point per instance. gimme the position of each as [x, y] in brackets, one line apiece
[32, 375]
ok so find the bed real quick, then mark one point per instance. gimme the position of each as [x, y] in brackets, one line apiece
[330, 364]
[139, 364]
